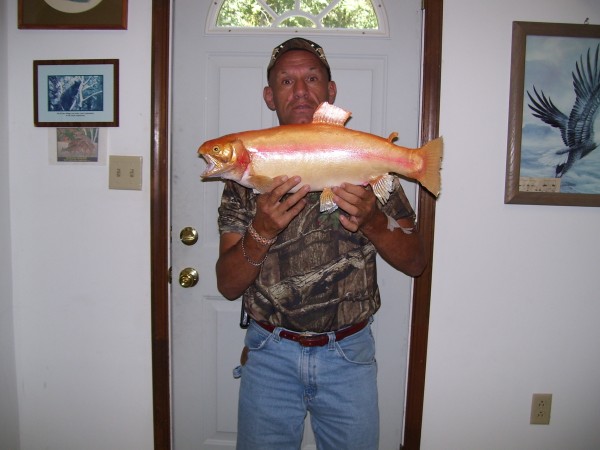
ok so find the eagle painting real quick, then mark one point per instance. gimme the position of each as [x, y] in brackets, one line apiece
[576, 128]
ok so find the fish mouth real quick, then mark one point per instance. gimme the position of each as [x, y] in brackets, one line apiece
[214, 167]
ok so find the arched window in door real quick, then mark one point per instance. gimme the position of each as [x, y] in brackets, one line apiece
[349, 16]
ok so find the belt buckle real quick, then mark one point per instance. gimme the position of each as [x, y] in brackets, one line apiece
[307, 334]
[307, 339]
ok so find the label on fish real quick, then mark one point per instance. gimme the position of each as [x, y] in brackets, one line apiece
[531, 184]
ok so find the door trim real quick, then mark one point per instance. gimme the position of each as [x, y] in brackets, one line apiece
[160, 232]
[430, 114]
[159, 222]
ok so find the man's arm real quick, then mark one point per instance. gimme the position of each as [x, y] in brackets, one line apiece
[403, 251]
[234, 274]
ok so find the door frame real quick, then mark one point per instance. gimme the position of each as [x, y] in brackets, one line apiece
[160, 232]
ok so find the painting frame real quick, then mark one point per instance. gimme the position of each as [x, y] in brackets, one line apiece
[519, 188]
[59, 99]
[105, 15]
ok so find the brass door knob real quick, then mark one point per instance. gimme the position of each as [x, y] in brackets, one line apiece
[189, 236]
[188, 277]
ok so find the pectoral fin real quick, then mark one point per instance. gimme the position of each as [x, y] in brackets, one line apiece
[382, 186]
[260, 183]
[327, 203]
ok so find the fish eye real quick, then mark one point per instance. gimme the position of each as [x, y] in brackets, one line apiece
[216, 149]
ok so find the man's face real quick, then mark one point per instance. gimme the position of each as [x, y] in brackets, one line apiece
[298, 84]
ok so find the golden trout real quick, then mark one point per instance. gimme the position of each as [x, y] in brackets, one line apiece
[324, 154]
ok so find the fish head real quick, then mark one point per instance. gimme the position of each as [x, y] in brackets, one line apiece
[225, 158]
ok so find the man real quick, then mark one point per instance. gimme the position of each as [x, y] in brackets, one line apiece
[308, 282]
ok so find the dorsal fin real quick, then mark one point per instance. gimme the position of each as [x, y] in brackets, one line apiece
[331, 114]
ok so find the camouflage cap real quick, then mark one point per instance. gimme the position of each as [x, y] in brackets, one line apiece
[299, 43]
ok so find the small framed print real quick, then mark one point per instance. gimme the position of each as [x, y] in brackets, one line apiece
[76, 93]
[77, 146]
[73, 14]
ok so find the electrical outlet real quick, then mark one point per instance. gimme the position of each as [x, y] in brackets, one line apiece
[541, 405]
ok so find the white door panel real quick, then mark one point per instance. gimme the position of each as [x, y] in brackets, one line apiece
[217, 89]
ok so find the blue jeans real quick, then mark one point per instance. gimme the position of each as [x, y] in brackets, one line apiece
[282, 380]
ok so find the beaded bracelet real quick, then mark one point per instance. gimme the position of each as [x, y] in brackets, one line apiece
[258, 238]
[251, 261]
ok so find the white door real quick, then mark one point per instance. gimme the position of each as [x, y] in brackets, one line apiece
[217, 89]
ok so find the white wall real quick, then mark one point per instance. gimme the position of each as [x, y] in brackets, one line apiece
[80, 255]
[516, 290]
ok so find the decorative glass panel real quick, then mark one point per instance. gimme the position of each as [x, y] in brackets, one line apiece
[243, 13]
[351, 15]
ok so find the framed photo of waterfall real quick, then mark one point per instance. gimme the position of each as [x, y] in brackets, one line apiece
[73, 14]
[553, 155]
[76, 93]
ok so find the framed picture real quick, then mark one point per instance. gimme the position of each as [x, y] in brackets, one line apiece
[553, 157]
[76, 93]
[77, 146]
[73, 14]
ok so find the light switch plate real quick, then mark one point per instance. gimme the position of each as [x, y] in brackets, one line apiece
[125, 172]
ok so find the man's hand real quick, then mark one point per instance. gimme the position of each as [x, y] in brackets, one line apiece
[358, 202]
[273, 212]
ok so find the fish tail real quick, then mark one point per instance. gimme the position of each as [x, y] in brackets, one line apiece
[432, 153]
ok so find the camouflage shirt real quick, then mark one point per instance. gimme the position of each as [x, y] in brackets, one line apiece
[317, 276]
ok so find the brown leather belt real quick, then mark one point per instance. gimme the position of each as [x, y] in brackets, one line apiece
[308, 339]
